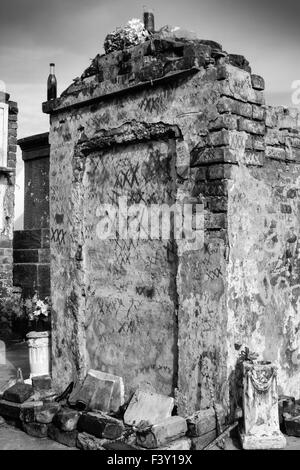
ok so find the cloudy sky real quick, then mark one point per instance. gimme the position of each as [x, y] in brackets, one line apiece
[71, 32]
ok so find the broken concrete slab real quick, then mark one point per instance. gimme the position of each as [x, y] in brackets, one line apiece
[204, 421]
[99, 391]
[66, 419]
[2, 353]
[162, 433]
[118, 393]
[47, 413]
[94, 393]
[66, 438]
[149, 407]
[101, 425]
[18, 393]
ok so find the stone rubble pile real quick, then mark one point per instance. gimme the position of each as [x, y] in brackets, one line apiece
[289, 415]
[95, 416]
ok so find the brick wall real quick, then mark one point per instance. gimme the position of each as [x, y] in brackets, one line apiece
[35, 154]
[31, 250]
[31, 257]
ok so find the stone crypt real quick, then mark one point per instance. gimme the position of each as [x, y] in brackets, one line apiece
[174, 119]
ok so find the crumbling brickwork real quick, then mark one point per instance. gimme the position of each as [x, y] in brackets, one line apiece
[174, 120]
[31, 257]
[31, 254]
[7, 182]
[35, 154]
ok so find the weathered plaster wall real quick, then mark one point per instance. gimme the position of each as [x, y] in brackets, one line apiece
[263, 271]
[85, 326]
[131, 303]
[7, 190]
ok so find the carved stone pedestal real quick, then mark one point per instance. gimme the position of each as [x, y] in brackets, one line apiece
[2, 353]
[260, 399]
[39, 353]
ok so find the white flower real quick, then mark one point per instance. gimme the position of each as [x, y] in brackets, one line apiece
[28, 304]
[37, 307]
[130, 35]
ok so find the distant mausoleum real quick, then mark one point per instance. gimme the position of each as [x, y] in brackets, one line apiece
[31, 253]
[8, 148]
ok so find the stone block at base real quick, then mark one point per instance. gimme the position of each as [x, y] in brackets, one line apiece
[47, 413]
[204, 421]
[101, 425]
[274, 441]
[10, 410]
[117, 395]
[149, 407]
[29, 410]
[162, 433]
[41, 382]
[86, 441]
[18, 393]
[35, 429]
[66, 438]
[66, 419]
[292, 426]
